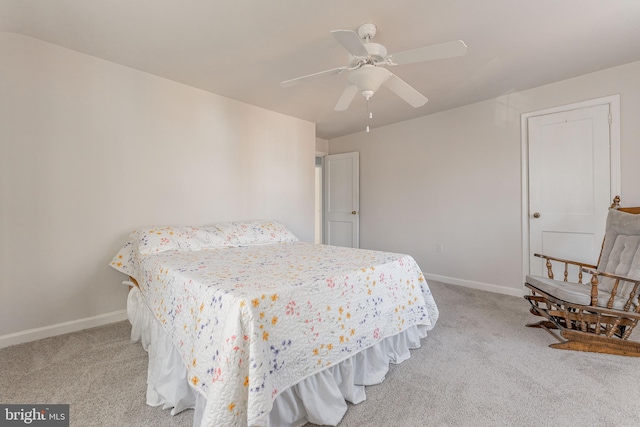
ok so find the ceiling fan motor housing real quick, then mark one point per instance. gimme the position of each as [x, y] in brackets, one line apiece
[377, 54]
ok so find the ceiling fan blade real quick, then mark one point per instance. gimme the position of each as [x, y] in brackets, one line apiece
[429, 53]
[346, 98]
[351, 41]
[288, 83]
[406, 92]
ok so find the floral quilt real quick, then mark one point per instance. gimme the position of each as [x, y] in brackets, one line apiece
[251, 321]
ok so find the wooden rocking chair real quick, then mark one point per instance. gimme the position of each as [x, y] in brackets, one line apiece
[599, 316]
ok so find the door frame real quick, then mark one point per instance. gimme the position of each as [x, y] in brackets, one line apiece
[614, 157]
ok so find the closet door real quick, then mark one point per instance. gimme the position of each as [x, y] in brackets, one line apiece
[569, 184]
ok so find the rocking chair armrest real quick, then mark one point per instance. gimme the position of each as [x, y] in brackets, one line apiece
[594, 288]
[595, 272]
[578, 263]
[566, 263]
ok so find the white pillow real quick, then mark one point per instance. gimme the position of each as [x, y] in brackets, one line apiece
[157, 239]
[125, 259]
[255, 232]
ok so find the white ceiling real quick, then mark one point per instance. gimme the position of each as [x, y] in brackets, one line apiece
[243, 49]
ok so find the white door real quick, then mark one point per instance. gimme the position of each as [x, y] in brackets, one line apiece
[342, 200]
[569, 185]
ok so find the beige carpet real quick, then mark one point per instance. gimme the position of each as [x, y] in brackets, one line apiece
[480, 366]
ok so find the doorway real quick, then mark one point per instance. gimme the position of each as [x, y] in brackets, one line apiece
[571, 158]
[318, 201]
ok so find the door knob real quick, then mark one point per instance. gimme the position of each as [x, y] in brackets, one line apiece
[536, 215]
[353, 212]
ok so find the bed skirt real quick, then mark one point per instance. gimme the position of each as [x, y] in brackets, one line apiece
[320, 399]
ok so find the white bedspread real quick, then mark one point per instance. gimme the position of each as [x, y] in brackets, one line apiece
[249, 322]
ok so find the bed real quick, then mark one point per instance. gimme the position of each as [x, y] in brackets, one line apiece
[250, 326]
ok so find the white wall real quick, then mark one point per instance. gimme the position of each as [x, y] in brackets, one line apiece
[90, 150]
[455, 178]
[322, 147]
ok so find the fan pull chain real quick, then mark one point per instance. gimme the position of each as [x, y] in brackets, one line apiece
[369, 114]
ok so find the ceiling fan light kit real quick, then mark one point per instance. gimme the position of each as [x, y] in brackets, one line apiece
[368, 79]
[367, 62]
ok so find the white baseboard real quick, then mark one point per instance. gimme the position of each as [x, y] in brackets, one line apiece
[117, 316]
[476, 285]
[62, 328]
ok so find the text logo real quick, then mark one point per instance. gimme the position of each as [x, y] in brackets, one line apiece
[34, 415]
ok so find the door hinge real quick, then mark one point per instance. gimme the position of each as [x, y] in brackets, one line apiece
[610, 118]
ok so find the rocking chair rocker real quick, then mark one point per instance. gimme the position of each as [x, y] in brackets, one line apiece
[600, 316]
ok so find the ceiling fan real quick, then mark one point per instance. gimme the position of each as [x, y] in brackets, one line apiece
[367, 61]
